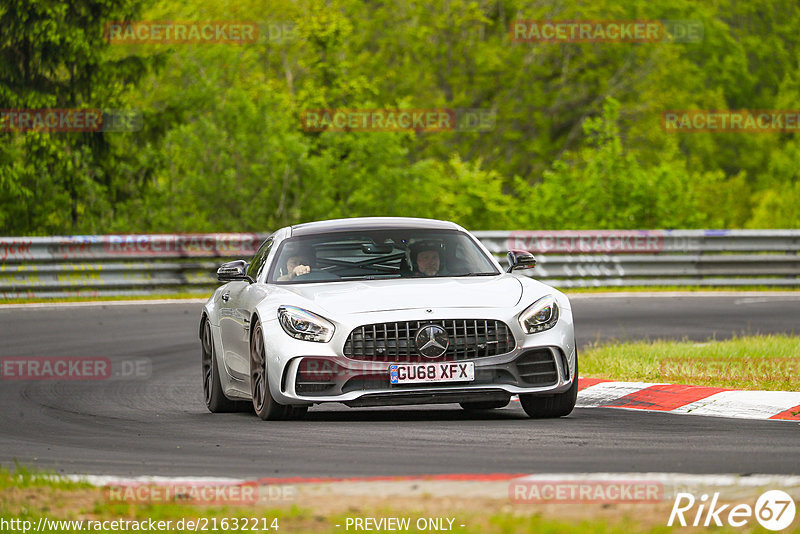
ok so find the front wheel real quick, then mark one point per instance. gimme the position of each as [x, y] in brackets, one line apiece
[265, 406]
[558, 405]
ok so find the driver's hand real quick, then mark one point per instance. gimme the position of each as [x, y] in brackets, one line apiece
[301, 269]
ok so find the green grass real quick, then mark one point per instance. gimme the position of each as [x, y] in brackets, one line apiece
[644, 289]
[29, 495]
[23, 477]
[753, 362]
[509, 523]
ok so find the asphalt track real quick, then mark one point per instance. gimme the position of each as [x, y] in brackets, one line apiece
[158, 424]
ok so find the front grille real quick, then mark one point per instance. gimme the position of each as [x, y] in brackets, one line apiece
[537, 367]
[394, 342]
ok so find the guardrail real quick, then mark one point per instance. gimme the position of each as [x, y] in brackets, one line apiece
[147, 264]
[608, 258]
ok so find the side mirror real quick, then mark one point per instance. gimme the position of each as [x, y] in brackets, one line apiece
[233, 271]
[520, 259]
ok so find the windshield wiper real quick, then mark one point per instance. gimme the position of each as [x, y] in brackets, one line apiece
[475, 274]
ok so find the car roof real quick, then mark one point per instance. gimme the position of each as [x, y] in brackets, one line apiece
[371, 223]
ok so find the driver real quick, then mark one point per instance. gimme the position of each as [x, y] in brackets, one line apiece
[426, 258]
[297, 264]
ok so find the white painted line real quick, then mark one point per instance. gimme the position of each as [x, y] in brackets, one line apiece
[673, 483]
[675, 294]
[607, 392]
[743, 404]
[722, 479]
[108, 480]
[760, 300]
[678, 478]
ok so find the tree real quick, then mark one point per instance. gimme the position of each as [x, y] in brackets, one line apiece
[54, 56]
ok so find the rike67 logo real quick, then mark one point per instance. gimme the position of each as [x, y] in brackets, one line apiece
[774, 510]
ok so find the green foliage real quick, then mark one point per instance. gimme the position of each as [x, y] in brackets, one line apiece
[603, 185]
[577, 141]
[779, 207]
[54, 56]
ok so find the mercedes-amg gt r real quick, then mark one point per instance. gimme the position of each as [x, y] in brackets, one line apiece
[380, 312]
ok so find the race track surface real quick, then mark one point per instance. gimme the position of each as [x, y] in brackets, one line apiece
[159, 425]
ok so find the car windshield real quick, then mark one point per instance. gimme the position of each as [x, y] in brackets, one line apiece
[372, 255]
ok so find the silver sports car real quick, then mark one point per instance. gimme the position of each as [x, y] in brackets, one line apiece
[380, 312]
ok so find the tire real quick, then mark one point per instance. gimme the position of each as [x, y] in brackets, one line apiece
[265, 406]
[214, 397]
[484, 405]
[550, 406]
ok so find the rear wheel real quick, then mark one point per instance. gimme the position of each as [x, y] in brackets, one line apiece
[215, 399]
[484, 405]
[265, 406]
[559, 405]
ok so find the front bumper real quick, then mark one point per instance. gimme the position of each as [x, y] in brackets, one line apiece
[542, 363]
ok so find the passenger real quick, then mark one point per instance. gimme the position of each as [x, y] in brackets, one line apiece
[426, 259]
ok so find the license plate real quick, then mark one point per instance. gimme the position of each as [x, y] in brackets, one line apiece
[419, 373]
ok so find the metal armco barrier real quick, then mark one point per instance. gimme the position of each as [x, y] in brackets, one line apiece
[609, 258]
[147, 264]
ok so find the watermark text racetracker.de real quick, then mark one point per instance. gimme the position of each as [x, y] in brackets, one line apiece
[186, 32]
[587, 241]
[74, 368]
[184, 244]
[731, 121]
[61, 120]
[584, 491]
[606, 31]
[398, 120]
[732, 368]
[170, 32]
[200, 492]
[195, 524]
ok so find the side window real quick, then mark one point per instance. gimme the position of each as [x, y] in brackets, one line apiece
[255, 267]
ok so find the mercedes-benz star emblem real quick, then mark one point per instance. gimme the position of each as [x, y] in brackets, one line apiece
[432, 341]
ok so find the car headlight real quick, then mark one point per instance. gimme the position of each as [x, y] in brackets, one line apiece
[540, 316]
[302, 324]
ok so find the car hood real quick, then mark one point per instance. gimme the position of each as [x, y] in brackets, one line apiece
[386, 295]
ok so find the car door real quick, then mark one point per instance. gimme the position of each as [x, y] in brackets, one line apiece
[238, 302]
[232, 328]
